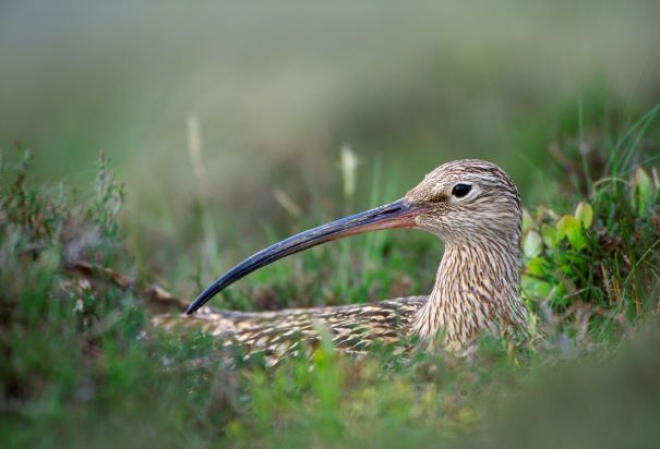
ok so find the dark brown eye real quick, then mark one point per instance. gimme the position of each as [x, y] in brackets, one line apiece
[460, 190]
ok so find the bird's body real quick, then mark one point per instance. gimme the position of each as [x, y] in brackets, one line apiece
[472, 205]
[352, 328]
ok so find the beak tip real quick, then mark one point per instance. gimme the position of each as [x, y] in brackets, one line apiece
[192, 308]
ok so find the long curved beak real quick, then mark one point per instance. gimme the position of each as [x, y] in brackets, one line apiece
[400, 214]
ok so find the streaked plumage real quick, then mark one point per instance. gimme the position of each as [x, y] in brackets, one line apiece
[472, 205]
[353, 328]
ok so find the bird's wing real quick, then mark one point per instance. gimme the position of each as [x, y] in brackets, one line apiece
[352, 328]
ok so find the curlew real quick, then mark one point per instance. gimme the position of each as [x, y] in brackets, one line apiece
[472, 205]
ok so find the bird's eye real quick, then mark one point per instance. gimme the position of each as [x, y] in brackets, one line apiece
[460, 190]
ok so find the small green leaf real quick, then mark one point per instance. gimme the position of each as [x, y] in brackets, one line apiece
[569, 227]
[549, 235]
[536, 288]
[566, 224]
[585, 214]
[642, 191]
[537, 266]
[527, 222]
[533, 244]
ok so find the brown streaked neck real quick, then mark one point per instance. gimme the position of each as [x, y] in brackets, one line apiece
[476, 288]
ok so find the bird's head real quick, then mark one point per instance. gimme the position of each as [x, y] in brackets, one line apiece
[460, 201]
[467, 201]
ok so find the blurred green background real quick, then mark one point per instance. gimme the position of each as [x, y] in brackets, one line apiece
[276, 89]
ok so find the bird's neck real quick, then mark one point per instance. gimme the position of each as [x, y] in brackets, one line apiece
[476, 289]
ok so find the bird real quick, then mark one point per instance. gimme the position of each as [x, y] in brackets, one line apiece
[472, 205]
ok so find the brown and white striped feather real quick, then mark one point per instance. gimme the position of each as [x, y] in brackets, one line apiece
[353, 328]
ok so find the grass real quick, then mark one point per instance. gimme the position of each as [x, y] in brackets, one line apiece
[82, 366]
